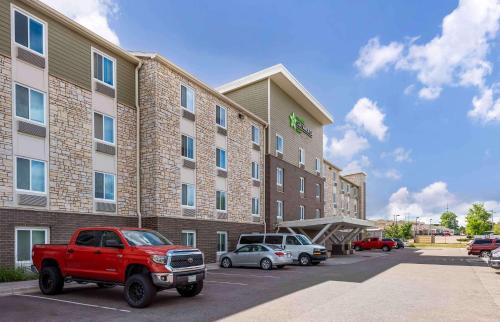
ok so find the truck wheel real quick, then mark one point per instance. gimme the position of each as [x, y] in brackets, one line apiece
[304, 260]
[226, 263]
[357, 248]
[191, 289]
[50, 280]
[484, 254]
[386, 248]
[139, 291]
[266, 264]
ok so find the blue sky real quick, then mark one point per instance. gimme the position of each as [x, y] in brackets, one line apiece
[399, 78]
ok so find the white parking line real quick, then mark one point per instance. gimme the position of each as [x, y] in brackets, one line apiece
[72, 302]
[230, 283]
[246, 275]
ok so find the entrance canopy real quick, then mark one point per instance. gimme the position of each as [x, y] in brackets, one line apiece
[328, 228]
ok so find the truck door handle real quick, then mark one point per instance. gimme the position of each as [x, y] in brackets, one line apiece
[97, 252]
[70, 251]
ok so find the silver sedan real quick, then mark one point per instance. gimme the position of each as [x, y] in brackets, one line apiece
[257, 255]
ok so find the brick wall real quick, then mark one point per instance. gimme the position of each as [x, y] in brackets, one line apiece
[6, 166]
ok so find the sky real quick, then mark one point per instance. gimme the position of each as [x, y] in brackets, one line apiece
[413, 86]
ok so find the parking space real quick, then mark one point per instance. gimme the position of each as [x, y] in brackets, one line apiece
[243, 292]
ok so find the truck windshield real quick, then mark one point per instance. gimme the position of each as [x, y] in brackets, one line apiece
[145, 238]
[303, 239]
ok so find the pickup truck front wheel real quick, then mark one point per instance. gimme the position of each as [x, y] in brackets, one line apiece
[191, 289]
[386, 248]
[139, 291]
[50, 280]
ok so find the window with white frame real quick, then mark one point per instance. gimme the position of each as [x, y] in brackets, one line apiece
[279, 177]
[302, 212]
[318, 191]
[187, 98]
[355, 208]
[255, 134]
[220, 201]
[317, 166]
[221, 242]
[104, 128]
[334, 176]
[188, 195]
[334, 198]
[188, 238]
[187, 147]
[255, 171]
[30, 104]
[279, 144]
[220, 158]
[279, 209]
[255, 206]
[302, 159]
[29, 32]
[348, 188]
[317, 213]
[220, 116]
[302, 185]
[104, 69]
[25, 238]
[30, 175]
[104, 186]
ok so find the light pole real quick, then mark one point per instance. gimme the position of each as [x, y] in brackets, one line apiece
[492, 222]
[416, 226]
[396, 216]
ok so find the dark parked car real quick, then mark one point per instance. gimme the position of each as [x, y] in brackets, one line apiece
[399, 243]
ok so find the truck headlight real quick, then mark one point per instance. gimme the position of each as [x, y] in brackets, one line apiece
[158, 259]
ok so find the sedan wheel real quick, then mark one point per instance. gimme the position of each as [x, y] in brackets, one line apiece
[484, 253]
[226, 263]
[304, 260]
[266, 264]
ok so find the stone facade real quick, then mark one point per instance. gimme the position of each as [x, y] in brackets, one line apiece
[332, 175]
[6, 164]
[360, 180]
[126, 160]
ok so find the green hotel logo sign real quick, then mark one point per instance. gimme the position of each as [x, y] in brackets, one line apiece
[297, 123]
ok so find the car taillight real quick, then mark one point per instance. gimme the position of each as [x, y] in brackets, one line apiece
[279, 254]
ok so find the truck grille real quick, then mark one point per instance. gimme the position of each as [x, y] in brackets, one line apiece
[183, 259]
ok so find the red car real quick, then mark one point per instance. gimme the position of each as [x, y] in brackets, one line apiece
[483, 246]
[141, 260]
[374, 243]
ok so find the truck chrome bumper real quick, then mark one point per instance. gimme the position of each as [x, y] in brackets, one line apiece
[495, 263]
[170, 280]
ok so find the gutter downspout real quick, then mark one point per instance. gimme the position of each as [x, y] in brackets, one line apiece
[138, 146]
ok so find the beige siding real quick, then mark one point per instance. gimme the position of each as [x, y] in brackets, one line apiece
[252, 97]
[125, 82]
[282, 106]
[5, 27]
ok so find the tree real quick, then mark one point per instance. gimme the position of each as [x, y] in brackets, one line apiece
[406, 230]
[398, 231]
[449, 220]
[391, 231]
[496, 229]
[477, 220]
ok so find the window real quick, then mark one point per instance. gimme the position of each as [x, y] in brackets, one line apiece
[220, 158]
[29, 32]
[255, 171]
[221, 242]
[301, 212]
[188, 195]
[334, 176]
[188, 238]
[89, 238]
[110, 235]
[104, 186]
[25, 239]
[274, 239]
[30, 104]
[302, 185]
[318, 191]
[317, 166]
[30, 175]
[334, 197]
[187, 98]
[292, 240]
[256, 239]
[355, 208]
[220, 200]
[255, 206]
[317, 213]
[279, 144]
[301, 157]
[348, 188]
[279, 209]
[255, 134]
[104, 128]
[187, 147]
[279, 177]
[220, 116]
[103, 69]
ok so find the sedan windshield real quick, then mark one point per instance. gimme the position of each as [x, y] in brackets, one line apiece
[145, 238]
[304, 240]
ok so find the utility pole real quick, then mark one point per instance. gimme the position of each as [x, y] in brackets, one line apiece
[416, 226]
[430, 224]
[492, 222]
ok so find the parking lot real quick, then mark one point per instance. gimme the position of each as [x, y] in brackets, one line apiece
[407, 284]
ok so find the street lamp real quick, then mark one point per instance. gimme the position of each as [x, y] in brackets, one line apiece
[430, 224]
[416, 226]
[396, 219]
[492, 222]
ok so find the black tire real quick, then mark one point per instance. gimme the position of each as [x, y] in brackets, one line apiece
[484, 253]
[50, 280]
[357, 248]
[280, 266]
[315, 263]
[386, 248]
[105, 285]
[266, 264]
[191, 289]
[139, 291]
[304, 260]
[226, 262]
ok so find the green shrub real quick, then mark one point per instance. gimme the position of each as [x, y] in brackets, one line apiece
[8, 274]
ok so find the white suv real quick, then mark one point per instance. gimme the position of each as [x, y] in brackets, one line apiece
[303, 250]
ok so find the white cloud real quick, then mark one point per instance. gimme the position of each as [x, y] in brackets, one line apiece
[399, 154]
[346, 147]
[409, 89]
[373, 57]
[486, 109]
[435, 195]
[357, 165]
[429, 93]
[93, 14]
[391, 174]
[368, 116]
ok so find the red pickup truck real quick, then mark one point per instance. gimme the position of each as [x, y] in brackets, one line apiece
[374, 243]
[483, 246]
[141, 260]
